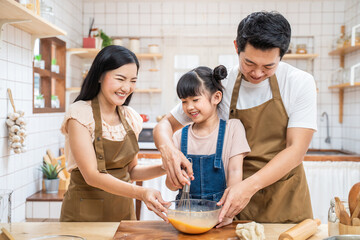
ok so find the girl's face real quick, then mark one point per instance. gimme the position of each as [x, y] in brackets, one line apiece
[202, 107]
[118, 84]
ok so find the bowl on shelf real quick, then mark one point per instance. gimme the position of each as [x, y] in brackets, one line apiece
[193, 216]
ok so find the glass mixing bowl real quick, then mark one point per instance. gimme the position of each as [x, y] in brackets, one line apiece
[193, 217]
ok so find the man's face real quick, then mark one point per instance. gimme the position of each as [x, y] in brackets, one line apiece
[257, 65]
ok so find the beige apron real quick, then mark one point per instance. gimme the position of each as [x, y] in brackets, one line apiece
[288, 199]
[84, 203]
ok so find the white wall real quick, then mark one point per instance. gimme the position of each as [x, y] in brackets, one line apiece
[19, 172]
[174, 25]
[351, 124]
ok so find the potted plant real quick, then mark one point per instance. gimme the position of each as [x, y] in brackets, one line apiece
[51, 179]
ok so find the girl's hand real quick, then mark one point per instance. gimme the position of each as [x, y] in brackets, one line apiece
[234, 200]
[225, 221]
[154, 202]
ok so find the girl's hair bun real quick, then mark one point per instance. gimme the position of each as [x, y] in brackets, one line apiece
[220, 73]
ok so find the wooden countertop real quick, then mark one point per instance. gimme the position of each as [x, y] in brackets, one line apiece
[136, 230]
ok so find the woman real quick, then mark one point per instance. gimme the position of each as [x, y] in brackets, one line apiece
[101, 146]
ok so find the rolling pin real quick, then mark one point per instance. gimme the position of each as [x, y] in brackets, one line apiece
[301, 231]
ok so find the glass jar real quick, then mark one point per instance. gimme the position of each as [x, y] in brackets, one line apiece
[301, 49]
[333, 220]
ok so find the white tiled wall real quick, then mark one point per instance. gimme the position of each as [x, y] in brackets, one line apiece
[19, 172]
[351, 125]
[172, 24]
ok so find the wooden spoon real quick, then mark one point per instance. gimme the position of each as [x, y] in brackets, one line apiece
[356, 212]
[344, 216]
[354, 194]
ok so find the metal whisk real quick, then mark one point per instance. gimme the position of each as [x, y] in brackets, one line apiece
[184, 203]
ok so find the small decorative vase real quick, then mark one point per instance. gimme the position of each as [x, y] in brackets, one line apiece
[52, 185]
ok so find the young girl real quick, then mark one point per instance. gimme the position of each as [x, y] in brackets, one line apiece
[216, 148]
[101, 145]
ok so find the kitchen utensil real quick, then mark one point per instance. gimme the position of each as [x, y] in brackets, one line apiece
[301, 231]
[356, 212]
[91, 26]
[5, 235]
[354, 194]
[202, 217]
[355, 221]
[343, 215]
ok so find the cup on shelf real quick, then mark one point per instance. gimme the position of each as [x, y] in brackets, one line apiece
[134, 45]
[154, 48]
[118, 41]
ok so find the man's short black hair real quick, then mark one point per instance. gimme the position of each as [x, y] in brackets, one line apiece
[264, 30]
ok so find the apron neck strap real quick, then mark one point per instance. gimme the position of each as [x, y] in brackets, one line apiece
[98, 144]
[274, 87]
[235, 93]
[123, 120]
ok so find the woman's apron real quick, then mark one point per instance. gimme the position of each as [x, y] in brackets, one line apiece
[288, 199]
[210, 181]
[84, 203]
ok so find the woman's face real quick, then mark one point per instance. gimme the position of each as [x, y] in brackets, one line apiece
[118, 84]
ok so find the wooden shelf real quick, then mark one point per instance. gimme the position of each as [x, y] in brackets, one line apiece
[42, 72]
[344, 85]
[344, 50]
[300, 56]
[144, 90]
[12, 12]
[92, 52]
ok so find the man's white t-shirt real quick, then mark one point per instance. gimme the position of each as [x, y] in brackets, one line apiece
[297, 90]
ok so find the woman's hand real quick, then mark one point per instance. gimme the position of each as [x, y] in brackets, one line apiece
[154, 202]
[235, 199]
[174, 161]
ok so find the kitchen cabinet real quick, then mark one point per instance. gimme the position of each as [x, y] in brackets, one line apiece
[48, 84]
[12, 12]
[346, 49]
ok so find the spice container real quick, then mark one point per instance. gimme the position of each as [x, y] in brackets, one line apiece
[118, 41]
[301, 49]
[154, 48]
[134, 45]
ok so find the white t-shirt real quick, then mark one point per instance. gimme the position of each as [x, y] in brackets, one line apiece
[297, 90]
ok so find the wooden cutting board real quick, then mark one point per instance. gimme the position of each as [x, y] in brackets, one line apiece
[162, 230]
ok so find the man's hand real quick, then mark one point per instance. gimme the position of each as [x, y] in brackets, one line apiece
[174, 161]
[234, 200]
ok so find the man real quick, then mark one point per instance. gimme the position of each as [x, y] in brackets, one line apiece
[276, 103]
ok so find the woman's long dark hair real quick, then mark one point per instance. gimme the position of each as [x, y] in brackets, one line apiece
[109, 58]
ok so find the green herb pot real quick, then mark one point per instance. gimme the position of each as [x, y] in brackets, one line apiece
[52, 185]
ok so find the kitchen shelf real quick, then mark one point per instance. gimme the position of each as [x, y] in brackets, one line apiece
[300, 56]
[92, 52]
[12, 12]
[344, 50]
[344, 85]
[138, 90]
